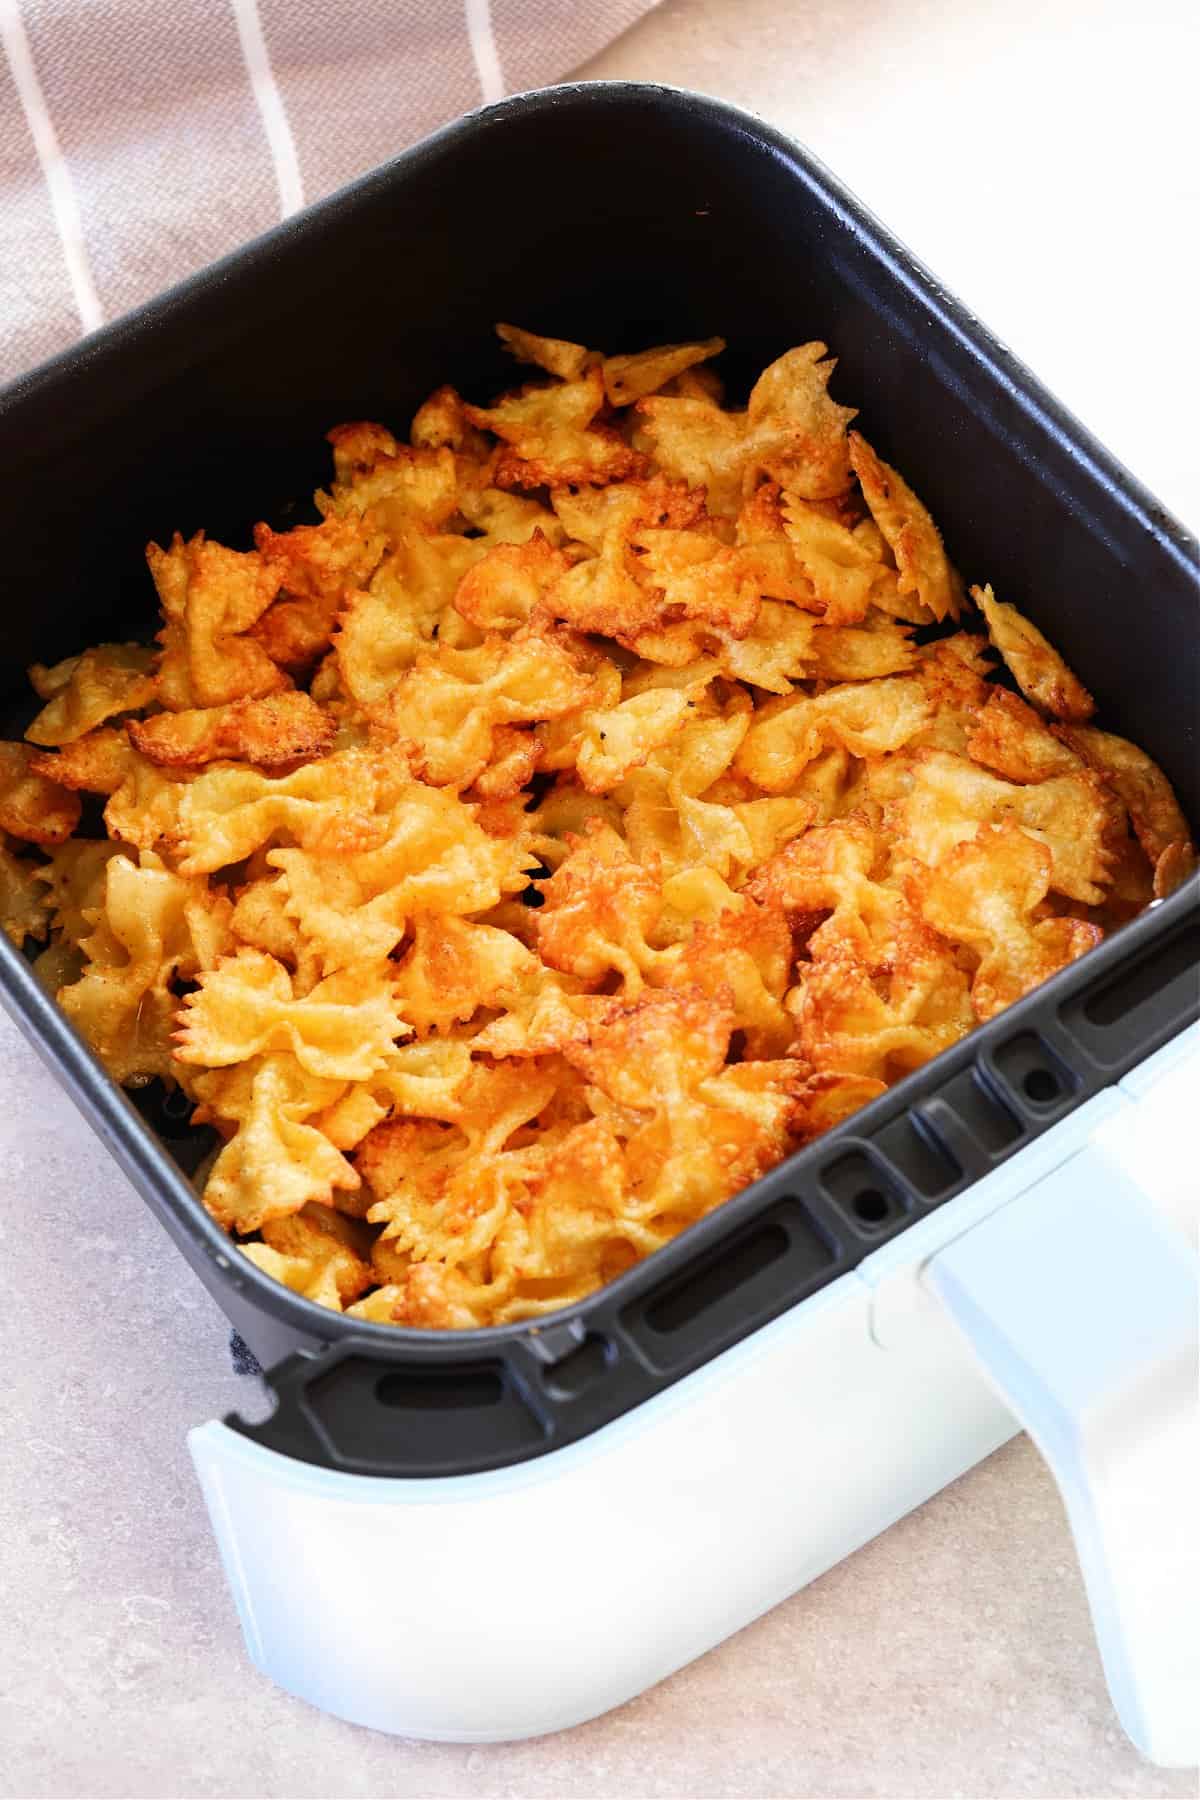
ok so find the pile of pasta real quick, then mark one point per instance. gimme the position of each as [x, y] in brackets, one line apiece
[610, 793]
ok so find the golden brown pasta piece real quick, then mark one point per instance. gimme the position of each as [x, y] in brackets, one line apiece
[552, 435]
[1154, 812]
[912, 536]
[33, 806]
[630, 378]
[211, 599]
[1040, 672]
[84, 691]
[986, 894]
[97, 763]
[270, 733]
[23, 899]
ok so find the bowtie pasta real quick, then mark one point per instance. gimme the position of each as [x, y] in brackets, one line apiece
[610, 792]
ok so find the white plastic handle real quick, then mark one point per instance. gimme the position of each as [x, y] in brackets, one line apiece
[1080, 1302]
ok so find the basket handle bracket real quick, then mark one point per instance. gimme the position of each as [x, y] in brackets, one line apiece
[1078, 1299]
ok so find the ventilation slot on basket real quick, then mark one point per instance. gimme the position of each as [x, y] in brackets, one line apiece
[924, 1163]
[1035, 1073]
[733, 1286]
[683, 1302]
[369, 1409]
[420, 1390]
[864, 1192]
[984, 1114]
[1141, 1004]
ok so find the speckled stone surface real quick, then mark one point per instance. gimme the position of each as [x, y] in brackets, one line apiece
[951, 1657]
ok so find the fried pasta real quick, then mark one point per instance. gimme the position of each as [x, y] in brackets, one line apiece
[609, 793]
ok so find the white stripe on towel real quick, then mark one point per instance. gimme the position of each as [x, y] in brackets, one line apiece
[483, 49]
[270, 104]
[53, 164]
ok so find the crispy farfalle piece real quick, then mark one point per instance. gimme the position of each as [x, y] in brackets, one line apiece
[823, 1101]
[630, 378]
[24, 902]
[382, 630]
[1010, 739]
[597, 909]
[97, 763]
[271, 733]
[948, 798]
[868, 719]
[33, 805]
[879, 1006]
[599, 516]
[1040, 671]
[792, 431]
[319, 566]
[441, 422]
[767, 552]
[275, 1162]
[1141, 787]
[677, 815]
[319, 1252]
[954, 672]
[613, 740]
[227, 812]
[343, 1028]
[314, 1277]
[84, 691]
[388, 484]
[698, 577]
[211, 599]
[455, 966]
[698, 1129]
[866, 652]
[143, 806]
[430, 854]
[748, 951]
[691, 439]
[797, 431]
[557, 356]
[73, 881]
[617, 592]
[505, 587]
[828, 871]
[446, 1191]
[552, 435]
[565, 811]
[645, 1053]
[601, 594]
[150, 928]
[911, 535]
[985, 895]
[845, 573]
[777, 651]
[446, 710]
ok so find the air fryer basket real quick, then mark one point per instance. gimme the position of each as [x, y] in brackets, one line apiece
[619, 215]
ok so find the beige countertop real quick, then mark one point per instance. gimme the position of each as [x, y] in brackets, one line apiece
[1040, 155]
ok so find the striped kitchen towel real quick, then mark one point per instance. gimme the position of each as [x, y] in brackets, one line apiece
[139, 139]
